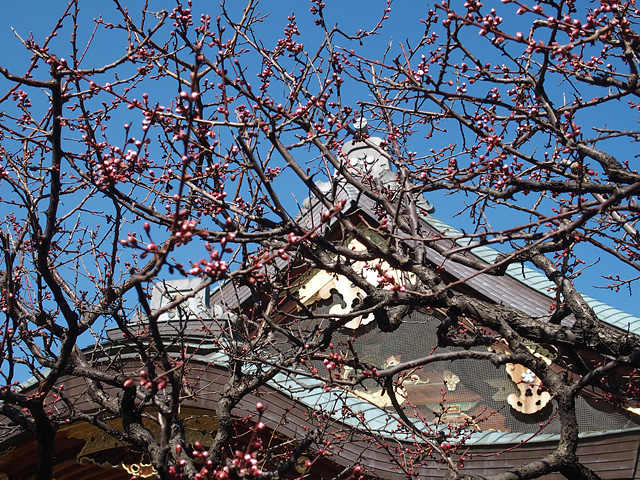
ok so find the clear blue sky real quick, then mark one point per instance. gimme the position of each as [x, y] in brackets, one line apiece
[39, 16]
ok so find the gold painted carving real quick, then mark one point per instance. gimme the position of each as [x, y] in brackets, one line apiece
[380, 398]
[198, 427]
[301, 464]
[7, 451]
[140, 470]
[95, 440]
[541, 352]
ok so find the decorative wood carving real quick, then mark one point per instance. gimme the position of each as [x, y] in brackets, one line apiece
[532, 396]
[502, 386]
[381, 398]
[302, 465]
[451, 380]
[140, 470]
[320, 285]
[414, 379]
[7, 451]
[106, 451]
[453, 415]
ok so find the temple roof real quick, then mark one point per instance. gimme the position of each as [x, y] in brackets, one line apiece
[538, 282]
[367, 161]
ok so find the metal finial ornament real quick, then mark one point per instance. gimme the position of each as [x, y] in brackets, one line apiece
[360, 125]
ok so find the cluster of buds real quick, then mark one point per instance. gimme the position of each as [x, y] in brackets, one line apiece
[206, 471]
[388, 278]
[117, 166]
[112, 170]
[185, 233]
[328, 214]
[132, 241]
[244, 464]
[288, 43]
[333, 361]
[182, 17]
[258, 264]
[144, 381]
[272, 173]
[150, 115]
[21, 98]
[213, 268]
[59, 64]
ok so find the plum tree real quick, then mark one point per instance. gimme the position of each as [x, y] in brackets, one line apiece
[206, 147]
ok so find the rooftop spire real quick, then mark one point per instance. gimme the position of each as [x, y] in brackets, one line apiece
[360, 124]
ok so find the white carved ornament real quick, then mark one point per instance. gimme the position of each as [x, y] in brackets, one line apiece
[532, 396]
[319, 286]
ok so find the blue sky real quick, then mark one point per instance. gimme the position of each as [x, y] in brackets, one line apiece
[40, 17]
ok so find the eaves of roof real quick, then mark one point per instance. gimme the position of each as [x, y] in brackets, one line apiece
[506, 438]
[369, 417]
[522, 287]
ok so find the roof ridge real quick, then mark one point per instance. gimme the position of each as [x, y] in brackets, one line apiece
[537, 281]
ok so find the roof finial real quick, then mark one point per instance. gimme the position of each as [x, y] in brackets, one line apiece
[360, 124]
